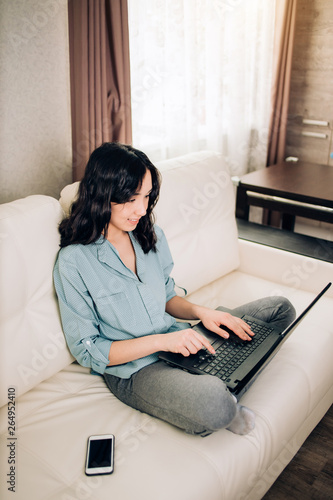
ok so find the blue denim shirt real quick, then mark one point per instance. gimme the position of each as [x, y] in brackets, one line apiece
[101, 300]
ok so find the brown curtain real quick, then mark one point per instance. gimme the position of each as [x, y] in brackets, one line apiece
[100, 76]
[285, 18]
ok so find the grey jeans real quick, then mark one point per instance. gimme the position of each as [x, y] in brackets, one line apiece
[197, 404]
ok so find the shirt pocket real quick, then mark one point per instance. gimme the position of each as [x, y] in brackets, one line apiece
[116, 311]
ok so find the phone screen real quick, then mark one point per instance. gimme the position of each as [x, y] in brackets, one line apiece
[100, 455]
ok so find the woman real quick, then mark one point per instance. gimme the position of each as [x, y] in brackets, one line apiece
[118, 305]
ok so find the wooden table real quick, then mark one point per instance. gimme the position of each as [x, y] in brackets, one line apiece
[294, 189]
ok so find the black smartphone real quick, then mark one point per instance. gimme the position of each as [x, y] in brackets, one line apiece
[100, 455]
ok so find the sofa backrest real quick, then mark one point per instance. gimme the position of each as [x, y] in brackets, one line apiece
[196, 210]
[32, 343]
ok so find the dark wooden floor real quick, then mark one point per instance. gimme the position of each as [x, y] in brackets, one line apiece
[309, 476]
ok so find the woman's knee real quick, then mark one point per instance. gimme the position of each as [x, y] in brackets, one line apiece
[277, 310]
[289, 308]
[286, 310]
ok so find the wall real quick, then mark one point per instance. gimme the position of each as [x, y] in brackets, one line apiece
[311, 92]
[35, 135]
[311, 95]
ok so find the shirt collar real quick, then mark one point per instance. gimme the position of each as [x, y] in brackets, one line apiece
[109, 255]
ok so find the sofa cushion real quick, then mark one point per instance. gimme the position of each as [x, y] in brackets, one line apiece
[56, 418]
[31, 332]
[199, 221]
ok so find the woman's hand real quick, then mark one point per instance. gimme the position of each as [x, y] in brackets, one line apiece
[212, 319]
[215, 320]
[185, 342]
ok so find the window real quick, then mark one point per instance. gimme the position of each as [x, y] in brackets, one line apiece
[201, 78]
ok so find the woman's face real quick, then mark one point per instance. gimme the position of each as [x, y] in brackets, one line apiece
[125, 216]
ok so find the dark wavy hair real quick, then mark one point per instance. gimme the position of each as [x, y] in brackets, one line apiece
[113, 173]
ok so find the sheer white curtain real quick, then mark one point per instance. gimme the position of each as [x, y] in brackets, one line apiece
[201, 78]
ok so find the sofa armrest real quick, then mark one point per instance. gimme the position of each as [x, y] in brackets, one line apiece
[309, 246]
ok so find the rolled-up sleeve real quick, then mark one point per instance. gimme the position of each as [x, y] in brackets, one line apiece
[79, 320]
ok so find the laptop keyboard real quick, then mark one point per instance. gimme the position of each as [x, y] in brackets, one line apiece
[230, 355]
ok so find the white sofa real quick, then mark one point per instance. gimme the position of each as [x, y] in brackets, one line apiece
[58, 404]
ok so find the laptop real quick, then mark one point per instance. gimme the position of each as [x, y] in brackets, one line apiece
[237, 362]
